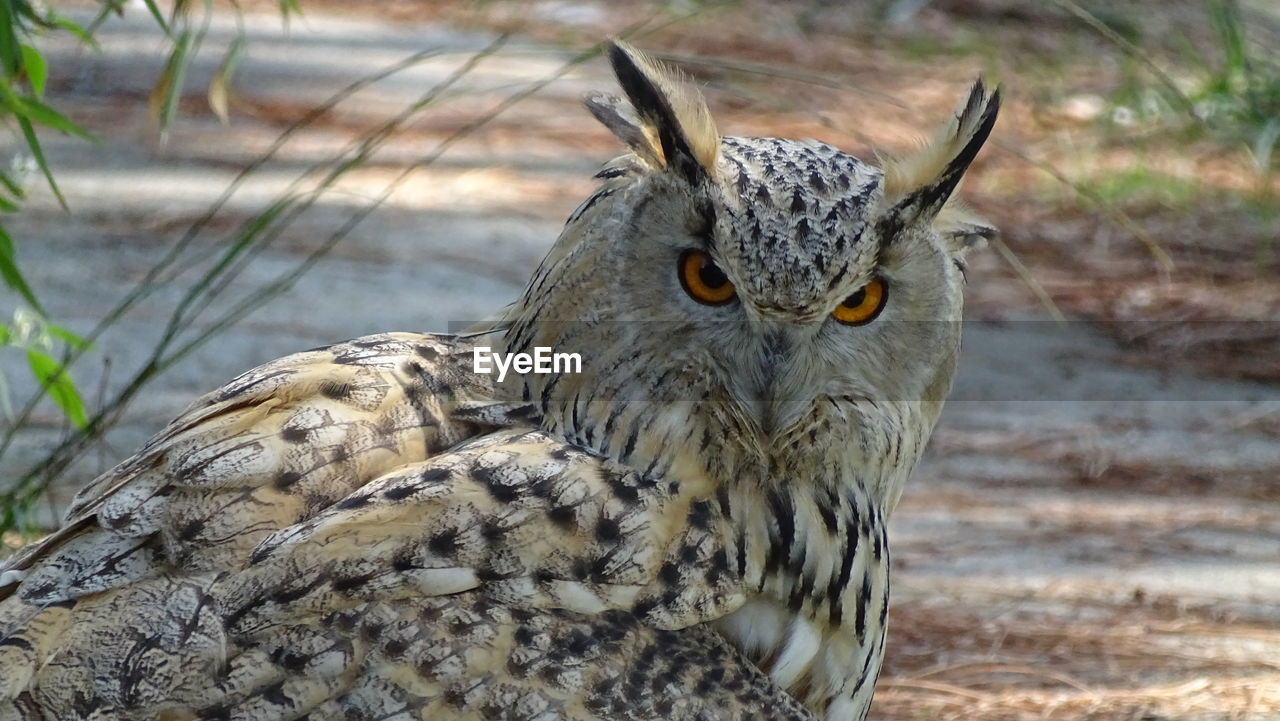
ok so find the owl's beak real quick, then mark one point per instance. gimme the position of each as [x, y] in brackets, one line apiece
[780, 416]
[780, 394]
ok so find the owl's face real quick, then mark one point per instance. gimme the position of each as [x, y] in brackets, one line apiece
[776, 279]
[755, 299]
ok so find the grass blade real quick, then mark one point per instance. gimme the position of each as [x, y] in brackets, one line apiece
[1133, 51]
[58, 384]
[12, 185]
[36, 68]
[33, 143]
[74, 28]
[158, 16]
[10, 273]
[220, 86]
[168, 89]
[8, 39]
[66, 336]
[47, 116]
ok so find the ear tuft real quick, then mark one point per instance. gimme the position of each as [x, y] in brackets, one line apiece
[918, 185]
[671, 126]
[621, 120]
[962, 230]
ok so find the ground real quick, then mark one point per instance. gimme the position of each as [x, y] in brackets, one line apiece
[1095, 530]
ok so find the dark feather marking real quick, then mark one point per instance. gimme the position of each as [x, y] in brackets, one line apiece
[860, 609]
[782, 532]
[629, 447]
[841, 581]
[655, 109]
[927, 201]
[246, 385]
[606, 109]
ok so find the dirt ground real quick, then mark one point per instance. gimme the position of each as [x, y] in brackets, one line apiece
[1095, 531]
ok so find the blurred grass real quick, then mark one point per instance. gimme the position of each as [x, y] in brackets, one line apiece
[50, 348]
[1142, 186]
[1231, 90]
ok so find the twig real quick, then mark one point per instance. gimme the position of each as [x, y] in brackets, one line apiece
[773, 71]
[1027, 278]
[1161, 256]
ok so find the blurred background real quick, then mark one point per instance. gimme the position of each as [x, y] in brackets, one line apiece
[192, 189]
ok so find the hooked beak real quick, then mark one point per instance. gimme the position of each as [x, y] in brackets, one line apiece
[779, 395]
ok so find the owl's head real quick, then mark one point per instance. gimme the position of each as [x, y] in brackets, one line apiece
[762, 295]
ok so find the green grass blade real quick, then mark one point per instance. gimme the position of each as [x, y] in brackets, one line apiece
[9, 53]
[12, 185]
[35, 110]
[1226, 18]
[289, 8]
[67, 336]
[159, 17]
[58, 384]
[10, 273]
[37, 70]
[33, 144]
[84, 36]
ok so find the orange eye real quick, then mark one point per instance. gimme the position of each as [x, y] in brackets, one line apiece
[703, 280]
[863, 306]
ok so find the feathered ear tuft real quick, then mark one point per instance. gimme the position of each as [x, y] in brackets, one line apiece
[918, 185]
[670, 126]
[962, 230]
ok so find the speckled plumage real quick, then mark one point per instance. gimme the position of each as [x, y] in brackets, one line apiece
[691, 528]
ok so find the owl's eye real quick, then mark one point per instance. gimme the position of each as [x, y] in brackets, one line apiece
[864, 305]
[703, 280]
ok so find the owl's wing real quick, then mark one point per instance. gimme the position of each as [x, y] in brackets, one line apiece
[268, 449]
[277, 444]
[514, 575]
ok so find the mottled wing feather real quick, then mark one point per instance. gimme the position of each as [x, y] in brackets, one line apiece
[465, 657]
[280, 442]
[270, 448]
[531, 522]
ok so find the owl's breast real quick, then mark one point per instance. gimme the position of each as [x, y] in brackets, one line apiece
[817, 570]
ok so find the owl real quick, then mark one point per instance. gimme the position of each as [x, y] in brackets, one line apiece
[688, 524]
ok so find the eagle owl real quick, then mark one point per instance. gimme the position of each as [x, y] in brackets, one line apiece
[692, 526]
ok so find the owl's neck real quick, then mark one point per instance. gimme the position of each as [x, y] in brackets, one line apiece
[870, 456]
